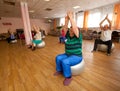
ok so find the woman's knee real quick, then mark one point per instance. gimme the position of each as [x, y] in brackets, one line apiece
[61, 56]
[58, 57]
[65, 62]
[97, 40]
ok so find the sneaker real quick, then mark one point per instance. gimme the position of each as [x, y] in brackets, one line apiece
[108, 54]
[93, 51]
[33, 48]
[67, 81]
[29, 47]
[57, 73]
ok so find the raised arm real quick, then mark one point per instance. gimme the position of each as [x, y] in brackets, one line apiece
[65, 27]
[73, 24]
[101, 27]
[109, 23]
[36, 28]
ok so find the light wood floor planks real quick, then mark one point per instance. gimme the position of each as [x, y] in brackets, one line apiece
[24, 70]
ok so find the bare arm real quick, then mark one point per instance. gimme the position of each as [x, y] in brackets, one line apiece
[109, 23]
[74, 26]
[101, 27]
[36, 28]
[65, 27]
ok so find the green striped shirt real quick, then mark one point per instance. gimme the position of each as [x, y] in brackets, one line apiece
[73, 45]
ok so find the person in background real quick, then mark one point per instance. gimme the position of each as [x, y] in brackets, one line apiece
[62, 36]
[73, 50]
[37, 38]
[105, 37]
[22, 36]
[11, 36]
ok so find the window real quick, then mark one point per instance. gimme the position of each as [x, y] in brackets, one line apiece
[94, 19]
[97, 15]
[109, 16]
[62, 22]
[80, 21]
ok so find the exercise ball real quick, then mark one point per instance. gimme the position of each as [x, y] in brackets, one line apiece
[78, 68]
[13, 41]
[103, 47]
[42, 44]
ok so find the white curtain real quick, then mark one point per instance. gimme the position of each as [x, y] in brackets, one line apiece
[97, 15]
[62, 21]
[80, 18]
[107, 10]
[94, 18]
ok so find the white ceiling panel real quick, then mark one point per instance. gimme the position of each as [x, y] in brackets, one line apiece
[59, 7]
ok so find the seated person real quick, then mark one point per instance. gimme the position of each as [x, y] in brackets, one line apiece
[11, 36]
[37, 38]
[105, 37]
[33, 33]
[62, 36]
[22, 36]
[73, 50]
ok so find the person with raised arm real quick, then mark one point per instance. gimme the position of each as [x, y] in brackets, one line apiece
[105, 37]
[37, 38]
[73, 50]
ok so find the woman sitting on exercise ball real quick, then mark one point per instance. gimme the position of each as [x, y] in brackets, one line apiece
[105, 38]
[73, 50]
[37, 38]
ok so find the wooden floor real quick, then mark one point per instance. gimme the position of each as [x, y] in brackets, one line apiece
[24, 70]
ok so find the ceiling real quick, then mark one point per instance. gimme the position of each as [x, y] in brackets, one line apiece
[11, 8]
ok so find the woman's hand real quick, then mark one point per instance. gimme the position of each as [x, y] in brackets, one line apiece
[70, 14]
[73, 24]
[36, 28]
[106, 16]
[66, 20]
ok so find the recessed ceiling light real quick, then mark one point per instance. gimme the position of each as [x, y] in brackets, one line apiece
[76, 7]
[46, 0]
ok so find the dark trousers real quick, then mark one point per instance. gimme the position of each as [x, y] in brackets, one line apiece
[62, 39]
[9, 40]
[108, 43]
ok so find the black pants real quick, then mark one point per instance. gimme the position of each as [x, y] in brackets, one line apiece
[9, 40]
[108, 43]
